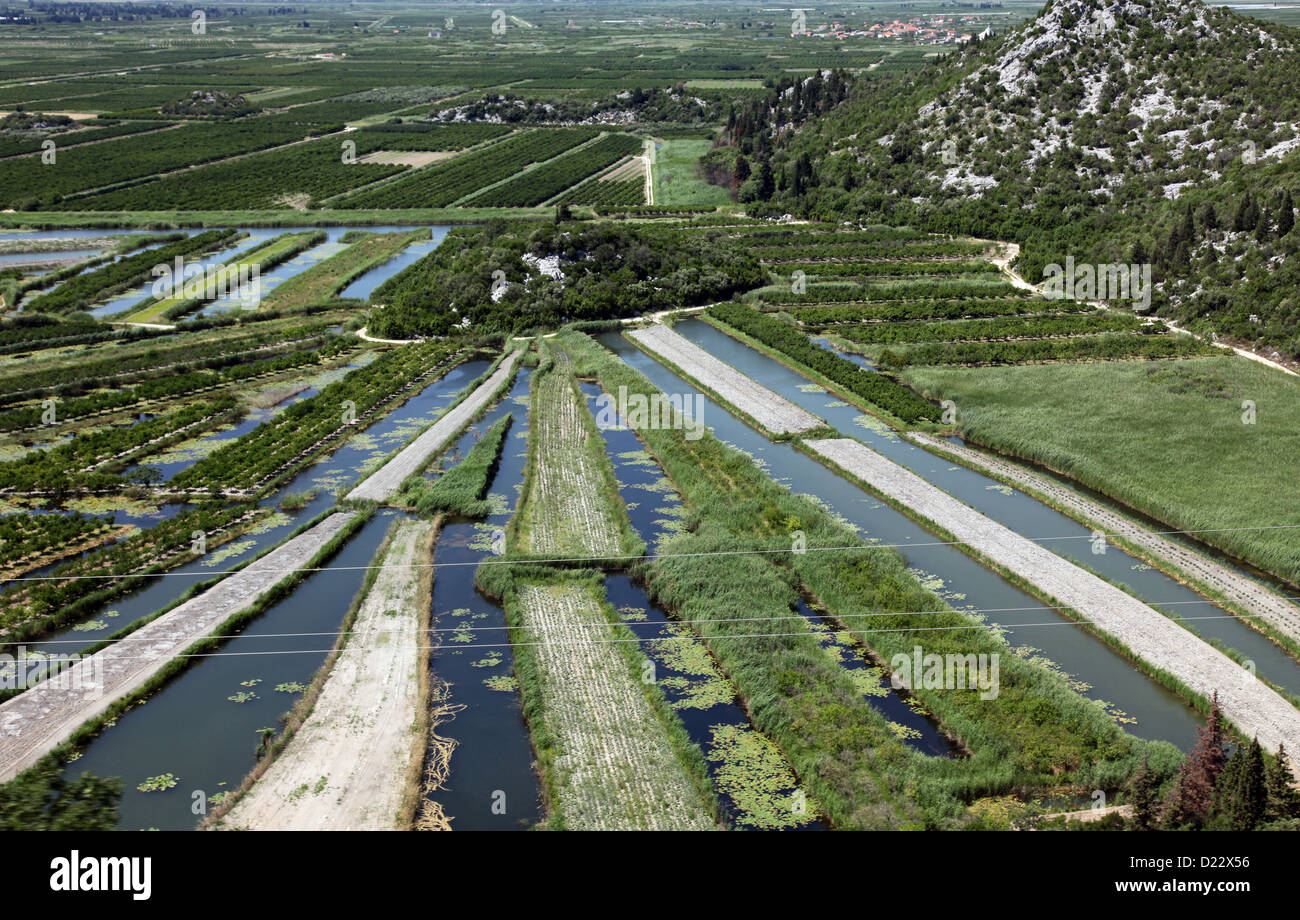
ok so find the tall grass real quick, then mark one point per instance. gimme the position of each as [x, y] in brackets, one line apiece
[1037, 735]
[462, 488]
[1167, 438]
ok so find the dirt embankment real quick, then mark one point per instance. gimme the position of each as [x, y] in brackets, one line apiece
[1253, 707]
[346, 765]
[1247, 593]
[773, 412]
[36, 721]
[384, 482]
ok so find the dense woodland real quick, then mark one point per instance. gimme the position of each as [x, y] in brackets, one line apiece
[590, 272]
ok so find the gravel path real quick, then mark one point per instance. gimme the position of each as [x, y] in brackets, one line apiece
[614, 768]
[346, 767]
[773, 412]
[38, 720]
[384, 482]
[1254, 708]
[1252, 596]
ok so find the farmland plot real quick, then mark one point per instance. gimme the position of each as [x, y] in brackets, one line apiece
[613, 767]
[566, 510]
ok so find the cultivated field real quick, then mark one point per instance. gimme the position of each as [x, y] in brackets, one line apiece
[613, 767]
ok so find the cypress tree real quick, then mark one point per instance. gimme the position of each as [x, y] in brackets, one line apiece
[1241, 795]
[1193, 795]
[1144, 792]
[1285, 214]
[1283, 800]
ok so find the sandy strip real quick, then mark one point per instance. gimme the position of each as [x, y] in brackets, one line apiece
[615, 769]
[384, 482]
[773, 412]
[1251, 705]
[347, 765]
[38, 720]
[1254, 597]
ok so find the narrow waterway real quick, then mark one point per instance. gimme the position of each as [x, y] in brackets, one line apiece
[1144, 707]
[1017, 510]
[322, 480]
[205, 726]
[492, 783]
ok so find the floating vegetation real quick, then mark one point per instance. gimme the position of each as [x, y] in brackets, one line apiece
[231, 549]
[491, 660]
[633, 614]
[159, 783]
[1000, 488]
[292, 686]
[243, 696]
[250, 683]
[811, 388]
[904, 732]
[837, 404]
[699, 683]
[90, 626]
[875, 426]
[754, 774]
[506, 683]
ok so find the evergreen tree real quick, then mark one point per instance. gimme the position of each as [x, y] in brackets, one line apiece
[1240, 794]
[1193, 795]
[1283, 799]
[1285, 214]
[1144, 793]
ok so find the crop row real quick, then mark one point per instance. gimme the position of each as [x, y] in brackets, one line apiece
[261, 259]
[548, 180]
[172, 386]
[80, 291]
[848, 293]
[1108, 347]
[877, 389]
[814, 249]
[801, 234]
[606, 192]
[247, 464]
[175, 355]
[316, 170]
[25, 538]
[936, 309]
[35, 606]
[16, 146]
[989, 330]
[438, 186]
[326, 279]
[49, 333]
[842, 270]
[430, 136]
[75, 465]
[28, 182]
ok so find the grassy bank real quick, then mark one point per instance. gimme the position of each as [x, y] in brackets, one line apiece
[1037, 735]
[1165, 438]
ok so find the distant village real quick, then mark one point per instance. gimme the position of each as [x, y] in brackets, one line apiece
[922, 30]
